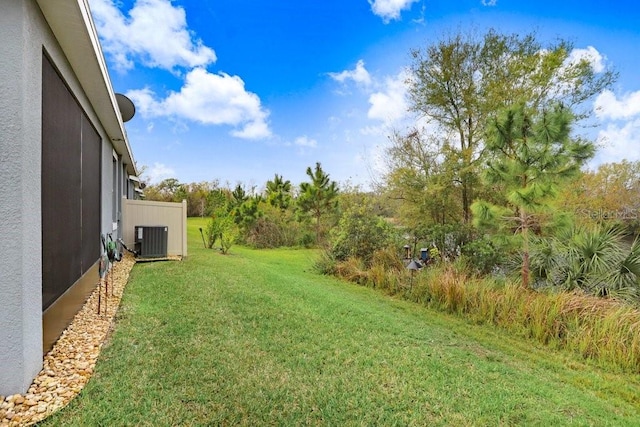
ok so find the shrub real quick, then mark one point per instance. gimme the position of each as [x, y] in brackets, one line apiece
[216, 225]
[597, 261]
[211, 232]
[221, 226]
[308, 239]
[353, 270]
[359, 234]
[482, 255]
[388, 258]
[447, 238]
[274, 228]
[326, 263]
[228, 236]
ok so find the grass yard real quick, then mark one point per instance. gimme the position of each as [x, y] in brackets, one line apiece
[258, 338]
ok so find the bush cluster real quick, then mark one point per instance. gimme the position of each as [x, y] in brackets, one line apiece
[360, 233]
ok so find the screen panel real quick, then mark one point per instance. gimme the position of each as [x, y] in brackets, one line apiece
[90, 194]
[71, 153]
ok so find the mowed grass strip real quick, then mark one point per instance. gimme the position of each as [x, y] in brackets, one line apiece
[258, 338]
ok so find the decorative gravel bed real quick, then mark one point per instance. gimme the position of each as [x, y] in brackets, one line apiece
[69, 364]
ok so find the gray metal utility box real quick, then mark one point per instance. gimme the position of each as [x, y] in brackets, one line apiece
[151, 241]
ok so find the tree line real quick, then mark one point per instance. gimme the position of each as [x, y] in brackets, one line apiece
[496, 169]
[278, 215]
[493, 171]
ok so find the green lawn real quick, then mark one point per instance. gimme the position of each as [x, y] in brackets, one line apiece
[258, 338]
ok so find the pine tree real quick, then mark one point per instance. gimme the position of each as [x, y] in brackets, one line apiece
[279, 192]
[530, 153]
[319, 196]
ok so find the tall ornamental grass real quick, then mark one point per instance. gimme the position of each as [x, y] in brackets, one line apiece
[604, 330]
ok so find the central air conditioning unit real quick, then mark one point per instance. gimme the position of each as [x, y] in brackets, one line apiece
[151, 241]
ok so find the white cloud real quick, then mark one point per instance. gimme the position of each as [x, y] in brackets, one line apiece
[154, 33]
[257, 129]
[159, 172]
[387, 100]
[591, 55]
[210, 99]
[489, 2]
[390, 104]
[390, 10]
[145, 102]
[608, 106]
[378, 130]
[621, 137]
[559, 88]
[620, 142]
[377, 161]
[305, 141]
[359, 75]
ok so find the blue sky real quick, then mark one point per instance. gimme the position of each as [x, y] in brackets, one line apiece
[239, 90]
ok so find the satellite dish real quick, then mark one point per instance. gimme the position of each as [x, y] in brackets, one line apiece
[127, 109]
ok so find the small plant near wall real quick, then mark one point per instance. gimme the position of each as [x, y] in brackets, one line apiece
[229, 235]
[221, 227]
[211, 234]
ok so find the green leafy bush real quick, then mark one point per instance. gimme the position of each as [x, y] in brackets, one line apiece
[359, 234]
[221, 227]
[482, 255]
[275, 228]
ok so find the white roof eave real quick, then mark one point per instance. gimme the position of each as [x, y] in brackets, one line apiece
[73, 27]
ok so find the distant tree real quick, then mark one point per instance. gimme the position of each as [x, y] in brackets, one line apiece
[151, 192]
[168, 190]
[198, 198]
[351, 195]
[218, 198]
[609, 195]
[248, 212]
[318, 197]
[423, 177]
[238, 196]
[459, 83]
[530, 153]
[268, 221]
[279, 192]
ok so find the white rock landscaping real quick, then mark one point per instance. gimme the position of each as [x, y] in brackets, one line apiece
[70, 363]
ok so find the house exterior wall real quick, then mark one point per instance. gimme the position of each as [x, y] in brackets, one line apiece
[25, 34]
[106, 189]
[22, 31]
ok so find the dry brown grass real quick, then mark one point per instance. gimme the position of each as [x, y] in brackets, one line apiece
[606, 331]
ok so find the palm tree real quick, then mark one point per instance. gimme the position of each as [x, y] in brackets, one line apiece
[596, 260]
